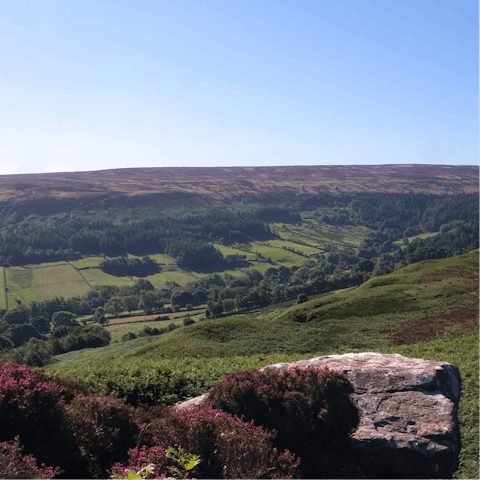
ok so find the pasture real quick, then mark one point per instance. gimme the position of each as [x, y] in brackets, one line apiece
[39, 282]
[311, 232]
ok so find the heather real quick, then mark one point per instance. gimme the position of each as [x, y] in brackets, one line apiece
[310, 410]
[51, 427]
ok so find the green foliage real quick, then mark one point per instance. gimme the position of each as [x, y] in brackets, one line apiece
[17, 316]
[63, 318]
[183, 463]
[124, 266]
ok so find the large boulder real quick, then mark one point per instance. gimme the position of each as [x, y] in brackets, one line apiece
[408, 406]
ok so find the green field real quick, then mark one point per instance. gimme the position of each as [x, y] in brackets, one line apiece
[120, 329]
[36, 283]
[305, 249]
[87, 262]
[2, 294]
[415, 237]
[95, 277]
[312, 232]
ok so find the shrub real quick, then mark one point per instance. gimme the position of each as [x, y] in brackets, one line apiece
[311, 411]
[14, 464]
[31, 407]
[35, 354]
[128, 336]
[299, 317]
[228, 446]
[187, 322]
[104, 430]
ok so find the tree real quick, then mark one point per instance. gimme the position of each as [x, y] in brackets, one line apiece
[99, 315]
[182, 297]
[64, 318]
[228, 305]
[148, 302]
[20, 334]
[142, 284]
[114, 306]
[41, 324]
[302, 298]
[130, 303]
[17, 316]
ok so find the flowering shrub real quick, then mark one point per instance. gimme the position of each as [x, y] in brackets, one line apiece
[310, 409]
[14, 464]
[228, 446]
[103, 429]
[31, 407]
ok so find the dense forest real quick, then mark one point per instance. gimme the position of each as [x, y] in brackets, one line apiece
[392, 215]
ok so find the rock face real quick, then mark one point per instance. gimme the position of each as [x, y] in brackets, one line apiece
[408, 406]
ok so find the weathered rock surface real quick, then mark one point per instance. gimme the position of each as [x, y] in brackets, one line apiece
[408, 406]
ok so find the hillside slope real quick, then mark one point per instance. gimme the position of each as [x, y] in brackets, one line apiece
[221, 183]
[415, 303]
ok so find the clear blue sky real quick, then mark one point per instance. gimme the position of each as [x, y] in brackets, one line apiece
[97, 84]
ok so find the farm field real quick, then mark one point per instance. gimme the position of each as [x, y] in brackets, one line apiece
[304, 249]
[314, 233]
[39, 282]
[237, 250]
[117, 330]
[3, 305]
[87, 262]
[414, 237]
[95, 277]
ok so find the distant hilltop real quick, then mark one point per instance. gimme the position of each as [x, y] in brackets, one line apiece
[229, 182]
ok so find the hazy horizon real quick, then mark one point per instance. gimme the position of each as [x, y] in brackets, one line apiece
[98, 85]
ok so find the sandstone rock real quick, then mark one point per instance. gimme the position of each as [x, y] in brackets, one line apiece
[408, 406]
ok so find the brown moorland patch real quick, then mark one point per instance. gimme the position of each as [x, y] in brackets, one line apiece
[431, 327]
[220, 183]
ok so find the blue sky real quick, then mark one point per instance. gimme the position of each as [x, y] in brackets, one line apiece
[97, 84]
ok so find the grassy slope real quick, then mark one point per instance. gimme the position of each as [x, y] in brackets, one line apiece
[351, 317]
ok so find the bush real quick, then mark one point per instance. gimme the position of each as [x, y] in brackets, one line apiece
[35, 354]
[187, 322]
[31, 407]
[104, 430]
[14, 464]
[128, 336]
[311, 411]
[228, 446]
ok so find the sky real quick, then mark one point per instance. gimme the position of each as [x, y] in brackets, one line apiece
[101, 84]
